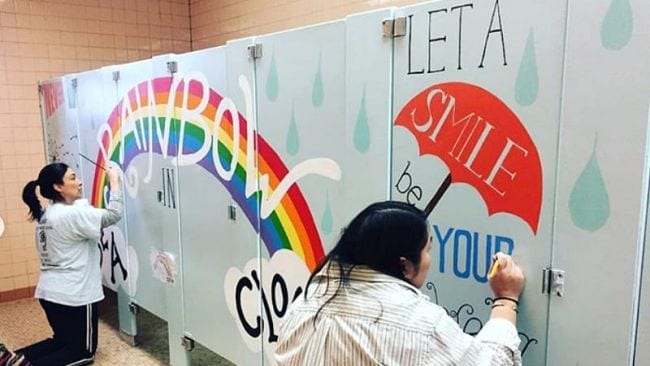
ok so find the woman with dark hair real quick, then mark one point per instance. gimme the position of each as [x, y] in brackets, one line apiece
[69, 286]
[362, 304]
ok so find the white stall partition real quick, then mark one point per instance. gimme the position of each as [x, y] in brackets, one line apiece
[602, 186]
[58, 100]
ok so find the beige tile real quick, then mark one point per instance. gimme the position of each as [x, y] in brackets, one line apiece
[14, 216]
[92, 12]
[23, 20]
[39, 8]
[9, 34]
[6, 149]
[33, 267]
[19, 268]
[16, 243]
[33, 278]
[10, 48]
[8, 19]
[5, 254]
[6, 270]
[21, 281]
[94, 40]
[25, 35]
[38, 22]
[21, 253]
[27, 228]
[6, 284]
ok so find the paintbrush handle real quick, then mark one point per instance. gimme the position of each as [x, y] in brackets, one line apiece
[95, 164]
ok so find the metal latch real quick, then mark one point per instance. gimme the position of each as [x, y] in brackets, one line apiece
[255, 51]
[187, 342]
[172, 67]
[394, 27]
[553, 281]
[232, 212]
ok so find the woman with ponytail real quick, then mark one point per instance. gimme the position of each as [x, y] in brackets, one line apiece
[69, 287]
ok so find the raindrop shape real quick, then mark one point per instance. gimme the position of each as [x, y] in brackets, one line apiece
[292, 142]
[527, 84]
[272, 84]
[327, 222]
[616, 29]
[589, 201]
[361, 128]
[317, 93]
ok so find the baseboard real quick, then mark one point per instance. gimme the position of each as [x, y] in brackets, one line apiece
[17, 294]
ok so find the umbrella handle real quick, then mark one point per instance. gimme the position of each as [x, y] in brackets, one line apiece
[436, 197]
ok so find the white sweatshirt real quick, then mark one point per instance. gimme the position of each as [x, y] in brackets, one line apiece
[66, 240]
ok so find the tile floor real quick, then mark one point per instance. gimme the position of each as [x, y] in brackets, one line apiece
[23, 322]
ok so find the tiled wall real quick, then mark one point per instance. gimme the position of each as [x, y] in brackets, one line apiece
[215, 22]
[41, 39]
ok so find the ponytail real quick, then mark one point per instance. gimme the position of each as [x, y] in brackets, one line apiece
[31, 200]
[49, 176]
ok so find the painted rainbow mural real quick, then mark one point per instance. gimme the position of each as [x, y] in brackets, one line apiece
[290, 225]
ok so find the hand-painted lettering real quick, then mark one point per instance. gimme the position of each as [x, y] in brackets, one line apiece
[468, 253]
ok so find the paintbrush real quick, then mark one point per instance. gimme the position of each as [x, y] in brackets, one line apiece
[95, 164]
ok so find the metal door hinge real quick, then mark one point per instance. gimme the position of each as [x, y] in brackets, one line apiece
[172, 67]
[394, 27]
[553, 281]
[255, 51]
[134, 308]
[116, 75]
[187, 342]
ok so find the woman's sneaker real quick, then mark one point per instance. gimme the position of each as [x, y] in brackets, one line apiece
[5, 355]
[18, 360]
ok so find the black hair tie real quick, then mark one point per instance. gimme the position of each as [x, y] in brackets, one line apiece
[506, 298]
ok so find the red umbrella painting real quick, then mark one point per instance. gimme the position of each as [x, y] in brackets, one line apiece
[482, 143]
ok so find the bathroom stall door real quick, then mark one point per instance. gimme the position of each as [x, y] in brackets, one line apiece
[218, 221]
[475, 134]
[601, 220]
[97, 102]
[303, 142]
[145, 145]
[300, 82]
[323, 131]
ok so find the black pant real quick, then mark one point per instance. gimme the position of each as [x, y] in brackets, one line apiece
[75, 336]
